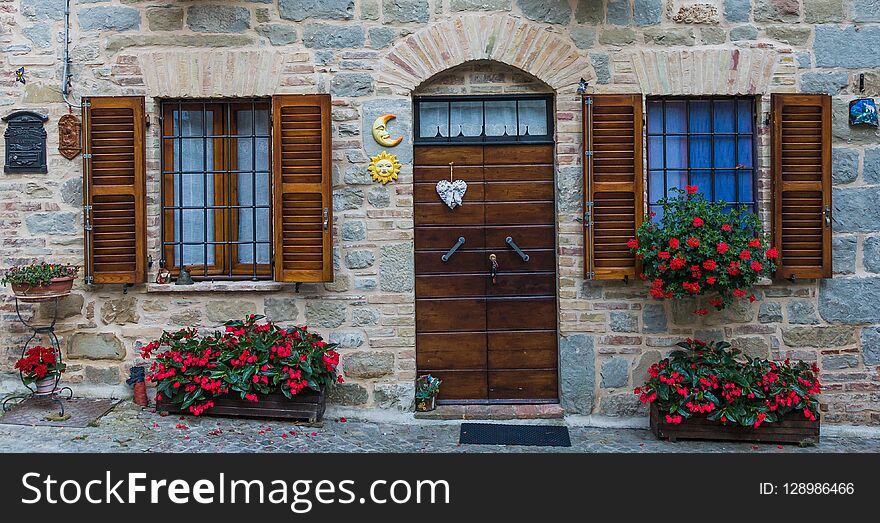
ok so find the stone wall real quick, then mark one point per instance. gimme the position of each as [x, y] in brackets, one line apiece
[370, 55]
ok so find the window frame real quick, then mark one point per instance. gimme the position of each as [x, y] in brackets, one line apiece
[755, 102]
[226, 265]
[482, 138]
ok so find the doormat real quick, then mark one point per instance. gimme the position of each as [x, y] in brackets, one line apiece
[500, 434]
[34, 411]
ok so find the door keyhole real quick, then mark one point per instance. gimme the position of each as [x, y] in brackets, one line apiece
[493, 272]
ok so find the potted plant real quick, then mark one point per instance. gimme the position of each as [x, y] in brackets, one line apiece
[40, 280]
[712, 391]
[40, 367]
[249, 369]
[700, 247]
[427, 388]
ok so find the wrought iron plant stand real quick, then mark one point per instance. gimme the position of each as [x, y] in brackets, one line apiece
[56, 394]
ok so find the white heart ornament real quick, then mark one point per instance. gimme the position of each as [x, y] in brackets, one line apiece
[451, 192]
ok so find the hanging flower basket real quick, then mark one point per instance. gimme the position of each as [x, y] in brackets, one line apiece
[39, 282]
[698, 247]
[712, 391]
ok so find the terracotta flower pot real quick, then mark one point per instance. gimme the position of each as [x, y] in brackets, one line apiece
[57, 287]
[45, 386]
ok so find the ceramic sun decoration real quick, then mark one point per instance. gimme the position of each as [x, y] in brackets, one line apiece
[380, 131]
[451, 191]
[384, 167]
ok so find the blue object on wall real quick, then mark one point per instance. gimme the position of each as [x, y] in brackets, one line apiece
[863, 111]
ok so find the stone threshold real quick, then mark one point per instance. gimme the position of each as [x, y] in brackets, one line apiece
[493, 412]
[217, 286]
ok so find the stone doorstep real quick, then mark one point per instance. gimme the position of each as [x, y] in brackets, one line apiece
[493, 412]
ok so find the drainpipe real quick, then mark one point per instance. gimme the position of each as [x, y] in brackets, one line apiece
[66, 74]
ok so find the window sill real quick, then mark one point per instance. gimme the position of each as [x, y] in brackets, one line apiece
[216, 286]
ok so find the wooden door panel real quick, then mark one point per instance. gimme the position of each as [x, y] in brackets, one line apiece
[429, 262]
[525, 173]
[443, 154]
[426, 192]
[423, 174]
[450, 285]
[461, 384]
[443, 238]
[519, 213]
[522, 284]
[522, 350]
[528, 237]
[521, 313]
[518, 191]
[523, 384]
[518, 154]
[439, 214]
[451, 350]
[445, 315]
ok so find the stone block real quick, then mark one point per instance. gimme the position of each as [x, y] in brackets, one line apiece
[548, 11]
[752, 346]
[666, 36]
[68, 307]
[625, 405]
[871, 166]
[354, 231]
[359, 259]
[326, 36]
[325, 313]
[165, 18]
[824, 11]
[770, 312]
[844, 162]
[743, 32]
[43, 9]
[843, 254]
[870, 343]
[617, 36]
[119, 311]
[394, 395]
[299, 10]
[95, 346]
[648, 12]
[396, 268]
[71, 192]
[479, 5]
[737, 10]
[405, 10]
[351, 84]
[347, 198]
[277, 34]
[837, 46]
[381, 37]
[850, 300]
[281, 309]
[368, 364]
[40, 34]
[856, 209]
[864, 11]
[348, 339]
[347, 394]
[109, 18]
[623, 321]
[584, 37]
[379, 197]
[221, 311]
[118, 42]
[589, 12]
[789, 34]
[57, 224]
[826, 82]
[615, 373]
[218, 19]
[618, 12]
[602, 66]
[363, 316]
[577, 373]
[871, 257]
[802, 312]
[839, 362]
[821, 337]
[102, 375]
[713, 35]
[640, 372]
[654, 318]
[777, 10]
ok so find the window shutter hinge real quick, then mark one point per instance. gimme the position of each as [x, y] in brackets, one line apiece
[588, 215]
[588, 153]
[87, 220]
[87, 156]
[86, 103]
[588, 100]
[326, 218]
[89, 280]
[826, 214]
[591, 275]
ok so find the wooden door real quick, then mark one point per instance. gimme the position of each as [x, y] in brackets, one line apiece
[488, 342]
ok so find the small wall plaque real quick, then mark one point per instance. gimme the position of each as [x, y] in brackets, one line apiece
[25, 142]
[69, 134]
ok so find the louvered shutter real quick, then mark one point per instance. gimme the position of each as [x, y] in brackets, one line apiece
[303, 209]
[801, 149]
[613, 183]
[114, 188]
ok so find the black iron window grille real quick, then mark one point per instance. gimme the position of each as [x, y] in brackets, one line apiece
[483, 119]
[707, 142]
[216, 180]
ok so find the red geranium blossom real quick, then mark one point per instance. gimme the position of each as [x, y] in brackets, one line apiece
[726, 227]
[709, 265]
[692, 189]
[698, 222]
[632, 243]
[673, 243]
[722, 248]
[693, 242]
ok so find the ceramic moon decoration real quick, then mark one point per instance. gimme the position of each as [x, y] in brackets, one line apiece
[380, 131]
[384, 167]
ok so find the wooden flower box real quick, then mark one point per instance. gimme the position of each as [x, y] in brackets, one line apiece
[308, 405]
[793, 429]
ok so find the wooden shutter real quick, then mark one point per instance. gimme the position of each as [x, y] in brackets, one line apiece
[114, 188]
[302, 190]
[613, 183]
[801, 158]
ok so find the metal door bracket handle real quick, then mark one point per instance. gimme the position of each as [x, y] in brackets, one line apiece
[515, 247]
[454, 248]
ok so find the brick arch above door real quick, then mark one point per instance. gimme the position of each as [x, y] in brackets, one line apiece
[531, 47]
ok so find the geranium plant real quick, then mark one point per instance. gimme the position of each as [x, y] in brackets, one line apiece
[37, 274]
[719, 382]
[701, 247]
[39, 363]
[249, 358]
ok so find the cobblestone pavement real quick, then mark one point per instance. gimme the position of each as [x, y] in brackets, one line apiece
[131, 429]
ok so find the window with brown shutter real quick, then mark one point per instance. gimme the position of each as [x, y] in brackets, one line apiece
[114, 189]
[613, 183]
[801, 163]
[302, 188]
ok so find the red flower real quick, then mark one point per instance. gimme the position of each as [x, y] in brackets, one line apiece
[711, 280]
[752, 298]
[709, 265]
[722, 248]
[663, 255]
[698, 222]
[756, 266]
[726, 227]
[739, 293]
[701, 312]
[716, 302]
[693, 243]
[745, 255]
[692, 189]
[755, 242]
[677, 263]
[673, 243]
[633, 243]
[772, 253]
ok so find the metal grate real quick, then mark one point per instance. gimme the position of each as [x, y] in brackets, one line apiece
[702, 121]
[216, 188]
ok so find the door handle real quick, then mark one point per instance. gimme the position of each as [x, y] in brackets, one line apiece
[454, 248]
[493, 271]
[515, 247]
